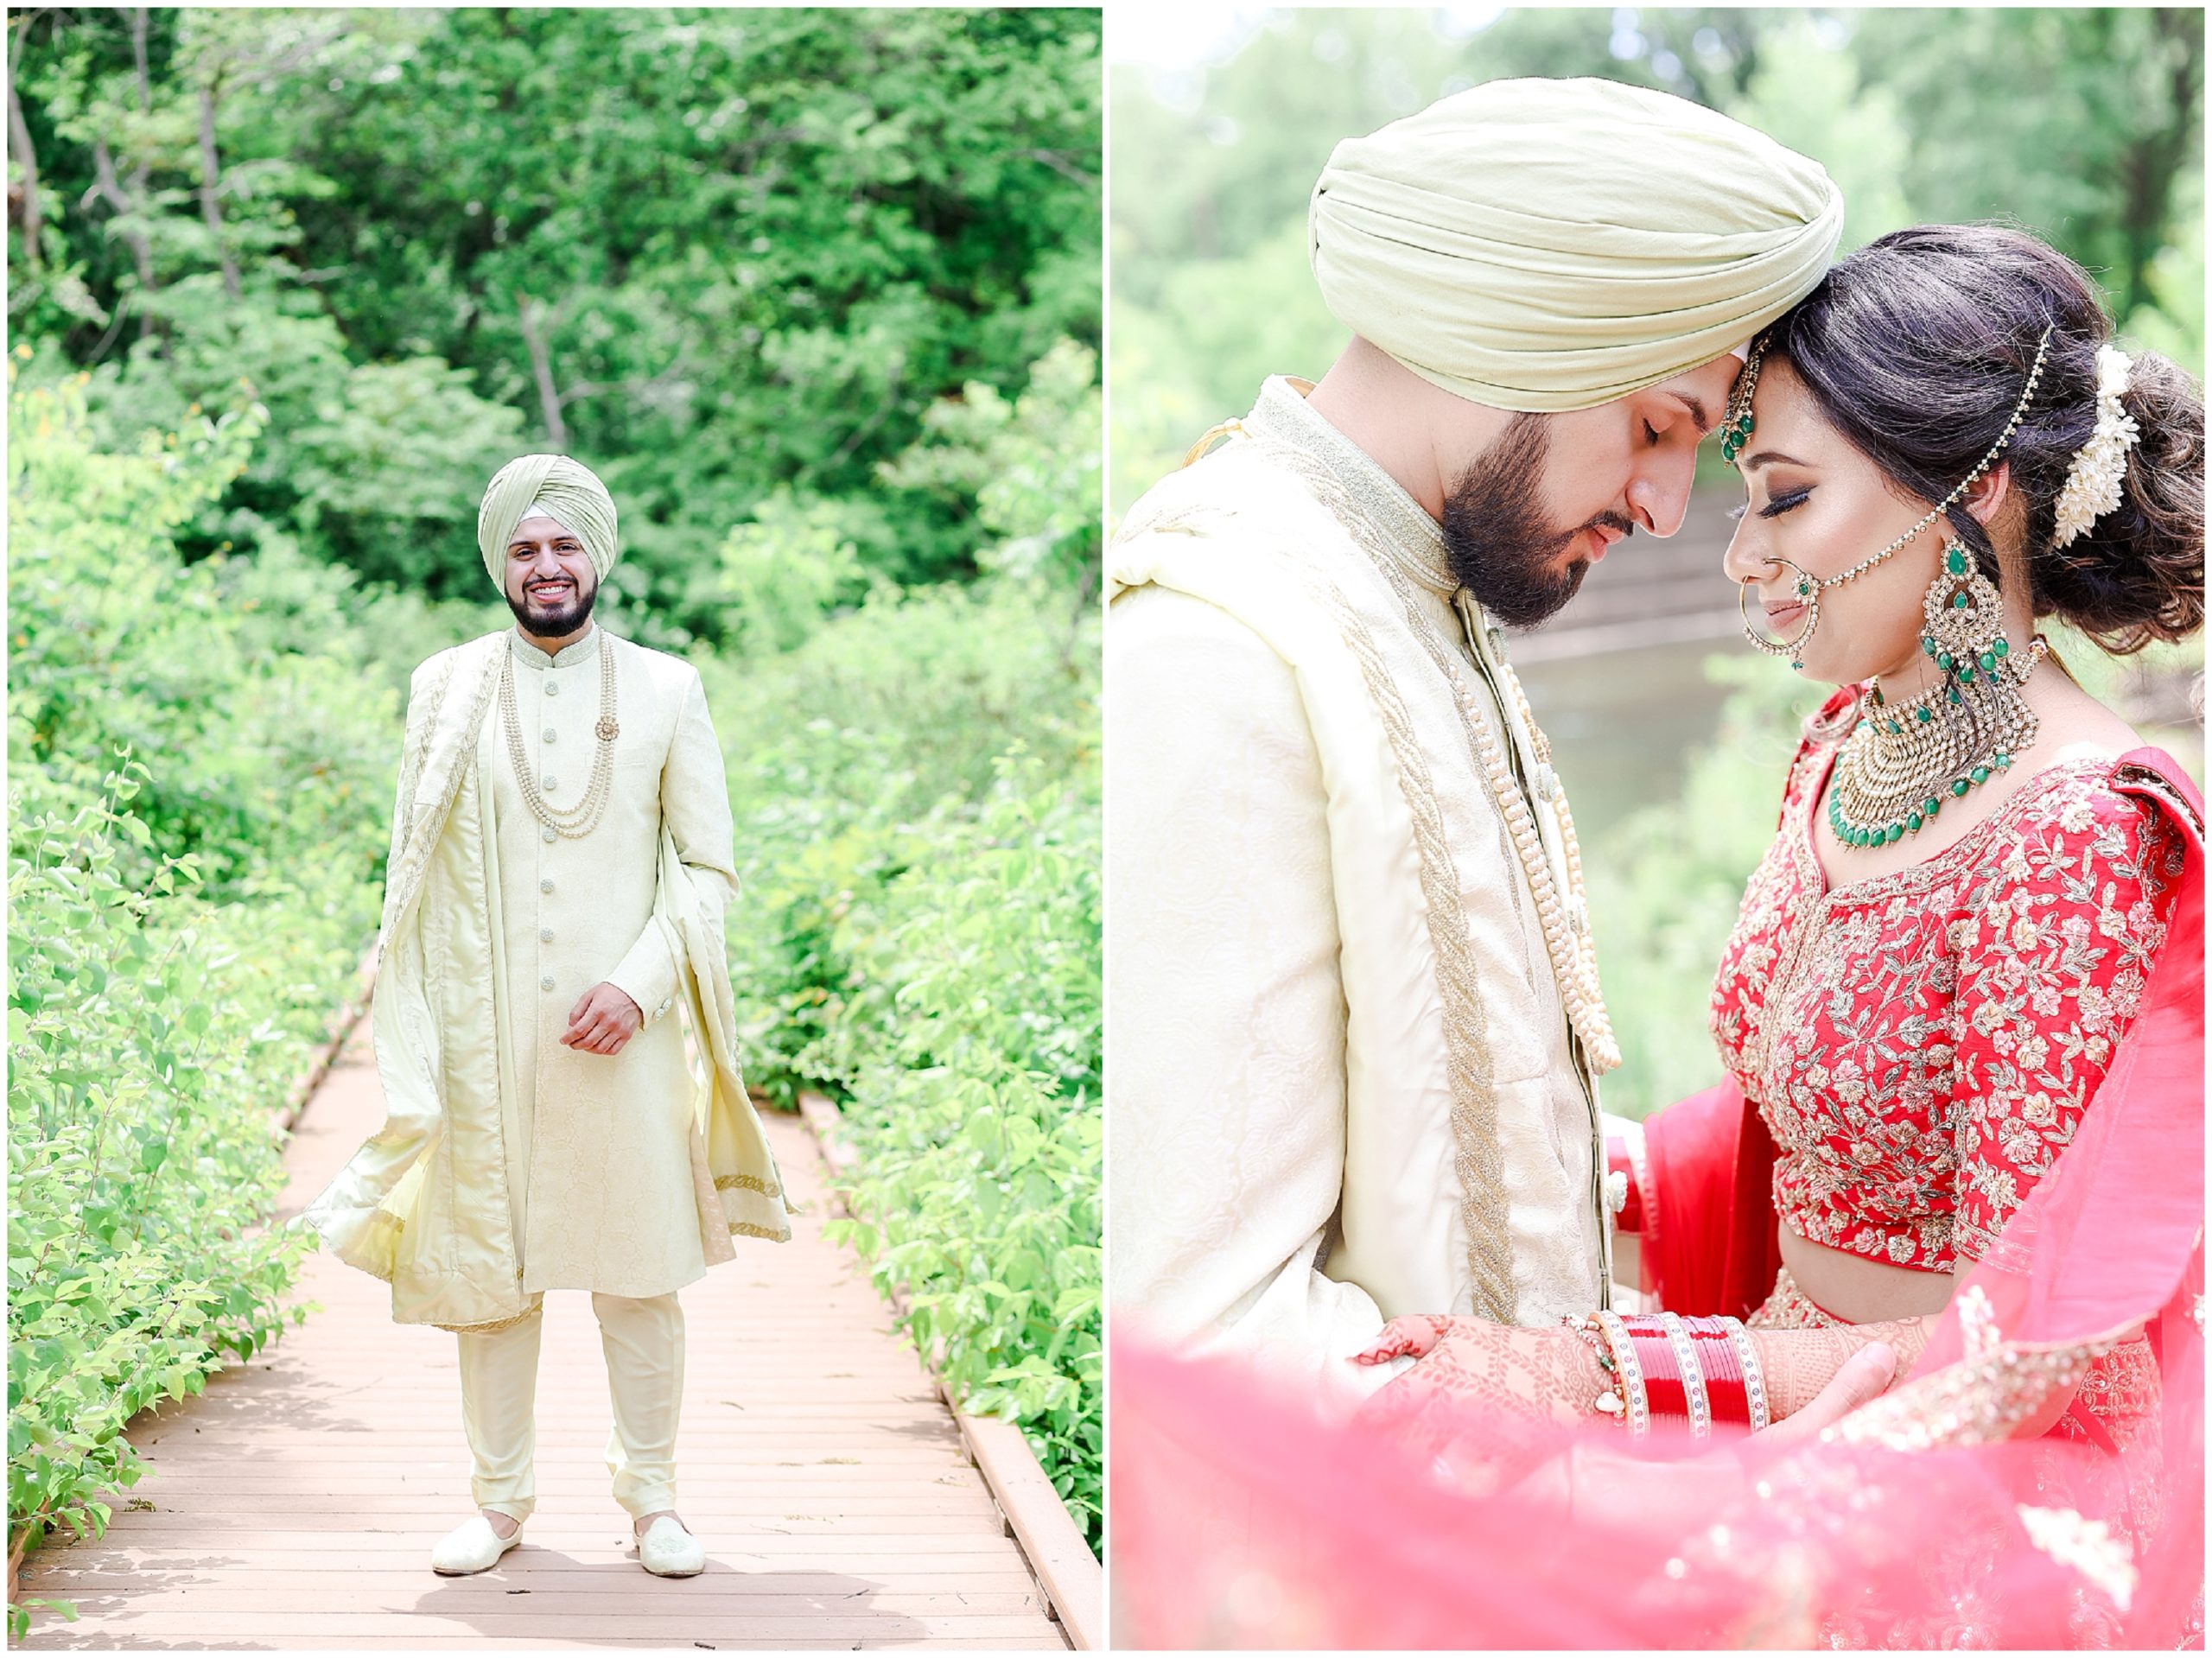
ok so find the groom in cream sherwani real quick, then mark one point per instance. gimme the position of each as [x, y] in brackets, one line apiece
[561, 861]
[1357, 1032]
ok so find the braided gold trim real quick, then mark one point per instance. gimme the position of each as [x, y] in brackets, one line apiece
[1478, 1156]
[746, 1182]
[1478, 1159]
[494, 1326]
[748, 1229]
[1574, 967]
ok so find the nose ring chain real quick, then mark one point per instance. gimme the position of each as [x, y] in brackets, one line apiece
[1737, 432]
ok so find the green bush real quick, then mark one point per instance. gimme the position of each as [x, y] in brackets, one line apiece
[178, 932]
[972, 1055]
[916, 790]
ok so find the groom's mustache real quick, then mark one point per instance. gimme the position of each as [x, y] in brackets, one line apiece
[1607, 520]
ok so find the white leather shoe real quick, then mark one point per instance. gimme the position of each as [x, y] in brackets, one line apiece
[471, 1545]
[667, 1550]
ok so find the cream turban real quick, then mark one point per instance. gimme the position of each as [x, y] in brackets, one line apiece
[1551, 244]
[563, 490]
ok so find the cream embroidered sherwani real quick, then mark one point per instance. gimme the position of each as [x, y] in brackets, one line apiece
[1356, 1025]
[603, 1136]
[510, 1164]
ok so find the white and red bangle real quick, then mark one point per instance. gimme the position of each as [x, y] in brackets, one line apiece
[1627, 1367]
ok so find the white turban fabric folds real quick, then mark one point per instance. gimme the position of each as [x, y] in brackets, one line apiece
[563, 490]
[1544, 245]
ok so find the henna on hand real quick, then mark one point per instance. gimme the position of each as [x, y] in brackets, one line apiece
[1549, 1374]
[1797, 1363]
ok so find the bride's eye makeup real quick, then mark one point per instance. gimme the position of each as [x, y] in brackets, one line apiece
[1787, 501]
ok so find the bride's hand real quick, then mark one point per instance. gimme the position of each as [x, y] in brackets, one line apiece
[1545, 1372]
[1413, 1337]
[1863, 1377]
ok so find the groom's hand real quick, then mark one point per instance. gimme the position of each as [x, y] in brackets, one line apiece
[603, 1020]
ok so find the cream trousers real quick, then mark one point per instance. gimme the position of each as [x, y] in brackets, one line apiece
[644, 1342]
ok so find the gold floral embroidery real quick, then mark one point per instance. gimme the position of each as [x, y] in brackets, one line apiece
[1922, 1043]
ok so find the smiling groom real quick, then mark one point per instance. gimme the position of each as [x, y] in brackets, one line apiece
[1356, 1034]
[561, 861]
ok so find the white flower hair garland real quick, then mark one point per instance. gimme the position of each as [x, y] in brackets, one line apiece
[2092, 487]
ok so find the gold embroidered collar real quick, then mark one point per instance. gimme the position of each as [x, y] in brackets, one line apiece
[1412, 538]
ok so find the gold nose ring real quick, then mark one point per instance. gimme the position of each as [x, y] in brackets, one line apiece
[1808, 589]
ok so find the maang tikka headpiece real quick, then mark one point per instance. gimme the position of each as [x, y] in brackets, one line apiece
[1736, 433]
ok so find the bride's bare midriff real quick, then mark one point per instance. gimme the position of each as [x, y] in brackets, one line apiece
[1862, 1291]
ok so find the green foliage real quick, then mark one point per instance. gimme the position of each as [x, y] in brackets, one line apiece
[1031, 466]
[723, 256]
[176, 936]
[782, 573]
[970, 1046]
[237, 673]
[916, 788]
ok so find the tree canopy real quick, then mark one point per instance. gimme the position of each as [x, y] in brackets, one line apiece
[730, 258]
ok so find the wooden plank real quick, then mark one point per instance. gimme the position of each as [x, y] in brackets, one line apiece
[727, 1596]
[292, 1506]
[1069, 1572]
[310, 1642]
[672, 1624]
[557, 1575]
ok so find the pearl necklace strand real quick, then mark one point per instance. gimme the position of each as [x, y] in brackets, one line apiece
[576, 822]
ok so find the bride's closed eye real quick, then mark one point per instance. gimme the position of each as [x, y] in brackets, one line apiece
[1775, 508]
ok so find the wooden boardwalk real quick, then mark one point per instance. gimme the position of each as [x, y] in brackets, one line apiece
[293, 1506]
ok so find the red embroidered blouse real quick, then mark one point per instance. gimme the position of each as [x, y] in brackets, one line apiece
[1922, 1043]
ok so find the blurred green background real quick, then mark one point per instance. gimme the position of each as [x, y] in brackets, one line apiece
[816, 293]
[2084, 125]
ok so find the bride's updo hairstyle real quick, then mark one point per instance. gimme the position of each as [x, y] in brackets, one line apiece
[1916, 348]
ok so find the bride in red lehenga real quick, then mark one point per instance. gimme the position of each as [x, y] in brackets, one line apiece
[1961, 1016]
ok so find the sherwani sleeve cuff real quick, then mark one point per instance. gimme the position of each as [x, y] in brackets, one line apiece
[647, 975]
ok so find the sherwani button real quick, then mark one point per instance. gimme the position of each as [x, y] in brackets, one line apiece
[545, 983]
[549, 733]
[547, 832]
[552, 686]
[548, 786]
[545, 935]
[545, 885]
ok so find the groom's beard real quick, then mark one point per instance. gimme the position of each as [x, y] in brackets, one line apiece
[1496, 538]
[553, 622]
